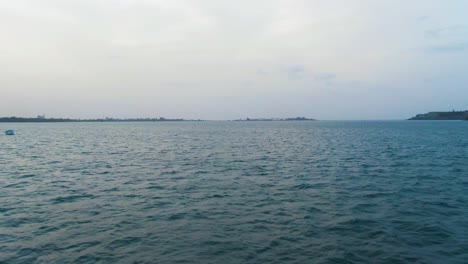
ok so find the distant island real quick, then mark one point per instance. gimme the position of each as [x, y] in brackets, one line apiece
[277, 119]
[43, 119]
[453, 115]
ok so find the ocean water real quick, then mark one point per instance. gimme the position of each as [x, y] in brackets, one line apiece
[235, 192]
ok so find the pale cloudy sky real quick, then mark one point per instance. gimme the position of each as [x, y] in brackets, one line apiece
[216, 59]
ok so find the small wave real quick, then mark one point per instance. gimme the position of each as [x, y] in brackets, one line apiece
[177, 216]
[216, 196]
[305, 186]
[377, 194]
[313, 210]
[27, 176]
[71, 198]
[155, 187]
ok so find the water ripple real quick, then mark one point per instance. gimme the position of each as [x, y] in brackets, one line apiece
[235, 192]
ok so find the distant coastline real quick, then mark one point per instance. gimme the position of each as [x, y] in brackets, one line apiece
[42, 119]
[277, 119]
[453, 115]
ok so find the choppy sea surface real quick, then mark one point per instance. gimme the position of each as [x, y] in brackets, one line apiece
[235, 192]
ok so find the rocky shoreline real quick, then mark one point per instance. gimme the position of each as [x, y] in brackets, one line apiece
[453, 115]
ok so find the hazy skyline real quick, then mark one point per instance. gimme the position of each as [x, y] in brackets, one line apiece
[324, 59]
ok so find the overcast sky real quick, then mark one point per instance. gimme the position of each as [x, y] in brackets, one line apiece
[215, 59]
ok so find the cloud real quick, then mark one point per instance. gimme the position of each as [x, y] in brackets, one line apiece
[451, 39]
[448, 48]
[432, 34]
[324, 77]
[296, 72]
[261, 71]
[456, 30]
[423, 18]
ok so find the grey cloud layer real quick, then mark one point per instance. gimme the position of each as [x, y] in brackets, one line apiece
[224, 59]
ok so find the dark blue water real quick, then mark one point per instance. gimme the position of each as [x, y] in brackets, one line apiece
[235, 192]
